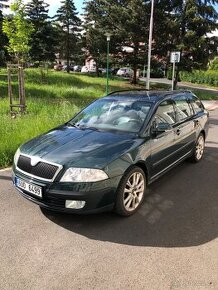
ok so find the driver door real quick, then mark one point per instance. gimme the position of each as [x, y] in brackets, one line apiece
[163, 143]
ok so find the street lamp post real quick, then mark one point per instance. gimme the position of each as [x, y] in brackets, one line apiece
[150, 45]
[108, 35]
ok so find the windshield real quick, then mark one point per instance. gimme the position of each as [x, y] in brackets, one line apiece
[113, 114]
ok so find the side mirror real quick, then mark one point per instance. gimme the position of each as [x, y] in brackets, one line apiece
[161, 128]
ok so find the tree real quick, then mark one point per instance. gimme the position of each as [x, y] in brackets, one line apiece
[128, 21]
[187, 24]
[18, 31]
[43, 40]
[94, 41]
[178, 25]
[69, 22]
[3, 38]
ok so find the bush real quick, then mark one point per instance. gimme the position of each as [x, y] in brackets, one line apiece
[170, 74]
[209, 77]
[213, 65]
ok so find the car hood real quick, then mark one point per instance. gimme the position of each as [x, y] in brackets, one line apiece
[73, 147]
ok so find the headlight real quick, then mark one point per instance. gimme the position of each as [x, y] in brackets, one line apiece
[16, 156]
[83, 175]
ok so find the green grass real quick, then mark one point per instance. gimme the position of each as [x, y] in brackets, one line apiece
[50, 103]
[41, 117]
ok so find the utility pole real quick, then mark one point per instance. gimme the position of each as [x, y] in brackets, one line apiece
[150, 45]
[108, 35]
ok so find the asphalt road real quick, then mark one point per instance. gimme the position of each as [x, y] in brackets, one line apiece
[172, 243]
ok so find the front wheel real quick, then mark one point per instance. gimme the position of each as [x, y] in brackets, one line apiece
[130, 192]
[199, 149]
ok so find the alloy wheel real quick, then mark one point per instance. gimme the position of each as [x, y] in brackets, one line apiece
[133, 191]
[200, 147]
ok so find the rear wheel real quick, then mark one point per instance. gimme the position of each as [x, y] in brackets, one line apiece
[131, 191]
[199, 149]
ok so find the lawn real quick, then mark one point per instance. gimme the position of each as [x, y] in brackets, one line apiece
[50, 103]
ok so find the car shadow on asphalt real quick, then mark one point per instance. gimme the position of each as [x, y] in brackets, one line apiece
[180, 210]
[213, 122]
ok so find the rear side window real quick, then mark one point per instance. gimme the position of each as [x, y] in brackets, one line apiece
[183, 108]
[196, 104]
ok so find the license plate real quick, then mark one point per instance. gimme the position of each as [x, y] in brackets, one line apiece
[31, 188]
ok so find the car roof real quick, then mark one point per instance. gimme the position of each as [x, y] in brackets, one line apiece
[149, 96]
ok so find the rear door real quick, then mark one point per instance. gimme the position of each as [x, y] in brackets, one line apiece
[185, 127]
[200, 117]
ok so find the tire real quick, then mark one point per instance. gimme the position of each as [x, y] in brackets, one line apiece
[130, 192]
[198, 151]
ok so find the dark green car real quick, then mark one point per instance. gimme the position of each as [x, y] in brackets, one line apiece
[105, 157]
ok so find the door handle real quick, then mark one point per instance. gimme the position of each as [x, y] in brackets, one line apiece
[178, 132]
[196, 123]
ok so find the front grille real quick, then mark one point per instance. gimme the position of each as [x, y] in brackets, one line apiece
[41, 170]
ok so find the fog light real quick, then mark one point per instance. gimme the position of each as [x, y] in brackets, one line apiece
[75, 204]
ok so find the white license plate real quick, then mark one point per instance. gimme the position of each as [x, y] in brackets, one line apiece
[31, 188]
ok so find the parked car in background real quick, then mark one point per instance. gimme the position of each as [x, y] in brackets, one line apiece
[77, 68]
[125, 72]
[112, 71]
[65, 67]
[58, 67]
[84, 69]
[92, 69]
[105, 157]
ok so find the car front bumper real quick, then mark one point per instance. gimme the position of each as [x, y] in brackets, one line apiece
[98, 196]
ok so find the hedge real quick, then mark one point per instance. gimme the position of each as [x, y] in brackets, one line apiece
[209, 77]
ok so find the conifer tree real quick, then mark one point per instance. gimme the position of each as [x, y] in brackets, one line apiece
[70, 27]
[128, 21]
[43, 42]
[186, 25]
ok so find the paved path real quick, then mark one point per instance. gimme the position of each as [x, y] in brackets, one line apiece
[170, 244]
[210, 105]
[183, 85]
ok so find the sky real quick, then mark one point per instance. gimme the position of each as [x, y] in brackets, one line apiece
[55, 4]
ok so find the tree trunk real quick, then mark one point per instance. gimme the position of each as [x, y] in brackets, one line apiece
[176, 79]
[134, 79]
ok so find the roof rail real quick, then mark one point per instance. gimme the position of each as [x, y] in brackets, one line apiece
[167, 92]
[122, 91]
[178, 91]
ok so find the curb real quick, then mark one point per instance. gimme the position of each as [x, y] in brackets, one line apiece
[5, 169]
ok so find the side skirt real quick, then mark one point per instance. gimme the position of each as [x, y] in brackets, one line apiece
[162, 172]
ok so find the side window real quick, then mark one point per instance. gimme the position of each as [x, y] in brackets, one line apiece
[183, 108]
[196, 104]
[165, 113]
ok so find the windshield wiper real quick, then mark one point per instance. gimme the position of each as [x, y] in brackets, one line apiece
[93, 128]
[74, 125]
[82, 127]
